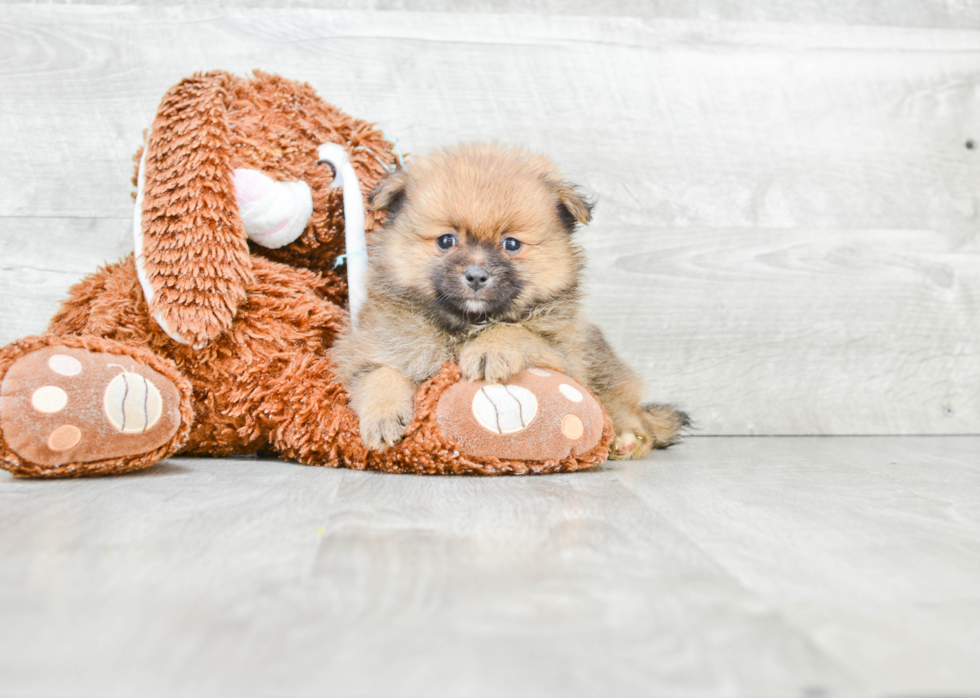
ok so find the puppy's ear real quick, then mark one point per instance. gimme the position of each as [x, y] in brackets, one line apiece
[191, 251]
[389, 195]
[573, 206]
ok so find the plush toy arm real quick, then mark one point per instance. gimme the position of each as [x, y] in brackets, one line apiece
[191, 251]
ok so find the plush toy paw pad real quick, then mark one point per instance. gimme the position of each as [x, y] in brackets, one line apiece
[132, 403]
[67, 405]
[537, 415]
[65, 365]
[572, 427]
[49, 399]
[64, 437]
[504, 409]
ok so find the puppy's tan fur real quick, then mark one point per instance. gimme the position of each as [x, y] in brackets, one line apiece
[421, 311]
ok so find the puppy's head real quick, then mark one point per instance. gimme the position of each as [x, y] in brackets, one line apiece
[478, 231]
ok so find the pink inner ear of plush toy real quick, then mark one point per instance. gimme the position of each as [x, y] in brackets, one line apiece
[250, 185]
[539, 415]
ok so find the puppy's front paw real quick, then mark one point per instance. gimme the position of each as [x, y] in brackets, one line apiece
[491, 364]
[384, 429]
[383, 401]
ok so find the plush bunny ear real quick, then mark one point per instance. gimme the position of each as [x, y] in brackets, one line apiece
[191, 250]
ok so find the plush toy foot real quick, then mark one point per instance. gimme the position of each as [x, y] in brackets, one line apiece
[538, 416]
[540, 421]
[72, 406]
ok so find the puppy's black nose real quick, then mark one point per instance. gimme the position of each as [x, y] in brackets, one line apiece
[476, 277]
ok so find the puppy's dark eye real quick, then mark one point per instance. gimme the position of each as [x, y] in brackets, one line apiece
[447, 242]
[512, 245]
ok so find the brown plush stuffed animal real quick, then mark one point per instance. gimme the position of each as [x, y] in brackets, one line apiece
[213, 338]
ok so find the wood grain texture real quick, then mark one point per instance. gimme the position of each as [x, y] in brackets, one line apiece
[838, 331]
[40, 258]
[727, 566]
[962, 14]
[796, 520]
[785, 240]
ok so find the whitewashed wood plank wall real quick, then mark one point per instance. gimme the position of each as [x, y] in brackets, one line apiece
[786, 236]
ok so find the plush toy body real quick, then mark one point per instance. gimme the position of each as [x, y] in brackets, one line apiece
[214, 337]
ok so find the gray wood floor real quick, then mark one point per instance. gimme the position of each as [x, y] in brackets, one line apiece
[727, 566]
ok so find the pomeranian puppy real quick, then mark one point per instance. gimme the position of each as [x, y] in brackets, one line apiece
[477, 264]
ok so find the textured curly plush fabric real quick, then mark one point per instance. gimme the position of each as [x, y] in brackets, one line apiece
[268, 385]
[254, 373]
[195, 253]
[247, 380]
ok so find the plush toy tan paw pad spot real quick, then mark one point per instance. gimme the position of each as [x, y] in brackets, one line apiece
[62, 405]
[64, 437]
[537, 415]
[572, 427]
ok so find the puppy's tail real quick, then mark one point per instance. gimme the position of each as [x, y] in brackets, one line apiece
[664, 424]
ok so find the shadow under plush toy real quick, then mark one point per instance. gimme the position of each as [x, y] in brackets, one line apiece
[213, 338]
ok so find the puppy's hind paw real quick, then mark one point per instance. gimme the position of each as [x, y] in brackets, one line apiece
[627, 446]
[663, 424]
[659, 426]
